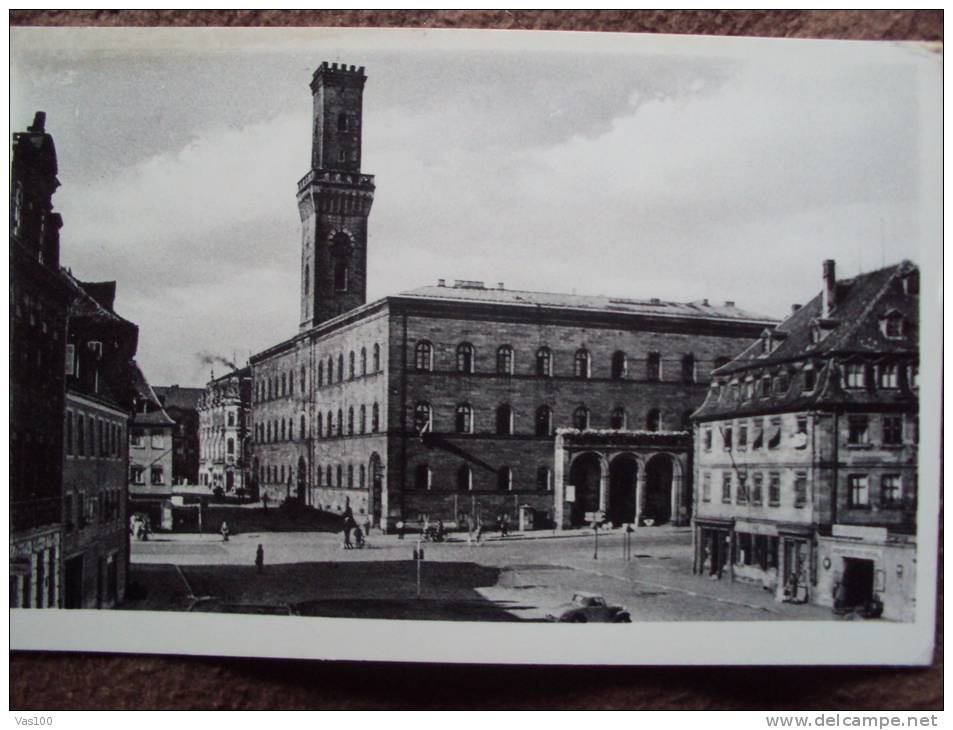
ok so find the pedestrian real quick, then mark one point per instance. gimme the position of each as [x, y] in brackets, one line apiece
[358, 537]
[400, 529]
[479, 530]
[224, 531]
[260, 558]
[264, 501]
[505, 527]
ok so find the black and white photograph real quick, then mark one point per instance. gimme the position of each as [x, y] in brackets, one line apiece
[412, 345]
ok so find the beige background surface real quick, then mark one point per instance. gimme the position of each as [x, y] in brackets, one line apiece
[89, 681]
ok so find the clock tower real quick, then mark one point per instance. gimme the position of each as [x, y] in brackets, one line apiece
[334, 199]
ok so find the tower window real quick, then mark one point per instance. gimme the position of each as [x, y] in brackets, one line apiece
[340, 276]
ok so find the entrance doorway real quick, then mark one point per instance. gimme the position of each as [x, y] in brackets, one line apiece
[585, 475]
[376, 472]
[658, 489]
[858, 582]
[73, 597]
[302, 479]
[623, 474]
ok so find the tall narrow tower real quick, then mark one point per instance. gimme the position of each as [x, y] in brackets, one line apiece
[334, 199]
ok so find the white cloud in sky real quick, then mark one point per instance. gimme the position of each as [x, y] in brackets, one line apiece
[637, 177]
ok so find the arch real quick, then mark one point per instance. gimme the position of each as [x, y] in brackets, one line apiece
[302, 489]
[375, 497]
[617, 420]
[580, 418]
[423, 417]
[465, 357]
[544, 362]
[504, 420]
[423, 356]
[463, 421]
[620, 365]
[585, 474]
[660, 471]
[582, 363]
[464, 478]
[623, 485]
[544, 421]
[504, 360]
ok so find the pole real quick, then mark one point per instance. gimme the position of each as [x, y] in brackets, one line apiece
[595, 529]
[418, 555]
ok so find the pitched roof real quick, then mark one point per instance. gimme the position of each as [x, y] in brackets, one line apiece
[154, 414]
[853, 329]
[853, 324]
[476, 292]
[176, 396]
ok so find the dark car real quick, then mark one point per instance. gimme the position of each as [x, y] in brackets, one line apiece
[589, 607]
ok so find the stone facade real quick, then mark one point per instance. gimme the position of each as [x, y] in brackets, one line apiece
[224, 432]
[806, 451]
[427, 404]
[38, 321]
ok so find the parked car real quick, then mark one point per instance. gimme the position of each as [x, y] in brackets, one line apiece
[589, 607]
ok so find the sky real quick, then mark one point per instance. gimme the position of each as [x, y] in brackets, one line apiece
[633, 166]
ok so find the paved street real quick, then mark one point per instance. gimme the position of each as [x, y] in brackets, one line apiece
[517, 578]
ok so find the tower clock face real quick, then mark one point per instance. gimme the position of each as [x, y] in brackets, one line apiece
[341, 244]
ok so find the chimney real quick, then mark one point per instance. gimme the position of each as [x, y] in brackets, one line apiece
[441, 282]
[795, 307]
[729, 303]
[828, 293]
[39, 123]
[499, 285]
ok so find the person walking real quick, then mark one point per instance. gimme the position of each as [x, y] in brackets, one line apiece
[224, 531]
[260, 558]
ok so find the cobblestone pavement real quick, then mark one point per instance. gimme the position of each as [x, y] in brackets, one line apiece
[522, 577]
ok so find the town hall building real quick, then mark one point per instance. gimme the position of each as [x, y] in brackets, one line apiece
[463, 401]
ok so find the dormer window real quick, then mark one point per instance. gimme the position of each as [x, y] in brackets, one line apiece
[888, 376]
[911, 283]
[891, 325]
[855, 375]
[810, 378]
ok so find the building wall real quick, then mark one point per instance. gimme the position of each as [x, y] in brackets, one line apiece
[224, 418]
[154, 450]
[95, 525]
[444, 388]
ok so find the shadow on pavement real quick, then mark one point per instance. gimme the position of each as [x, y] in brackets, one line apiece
[364, 589]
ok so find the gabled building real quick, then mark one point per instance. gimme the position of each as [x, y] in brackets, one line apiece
[150, 448]
[806, 450]
[224, 434]
[39, 298]
[99, 401]
[181, 405]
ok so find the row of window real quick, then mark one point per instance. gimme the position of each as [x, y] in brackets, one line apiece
[856, 375]
[619, 366]
[217, 448]
[736, 484]
[105, 508]
[137, 475]
[356, 422]
[506, 419]
[357, 365]
[736, 487]
[463, 479]
[137, 438]
[87, 435]
[752, 435]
